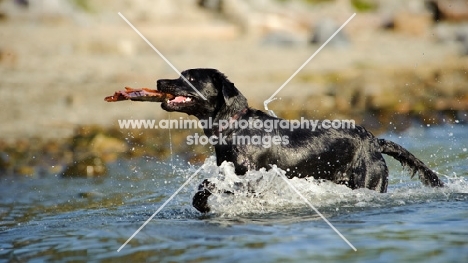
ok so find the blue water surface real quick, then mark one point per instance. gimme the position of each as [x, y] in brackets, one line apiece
[65, 220]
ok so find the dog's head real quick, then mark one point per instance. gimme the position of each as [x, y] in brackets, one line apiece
[222, 97]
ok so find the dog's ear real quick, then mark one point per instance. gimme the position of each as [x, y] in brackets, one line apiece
[230, 93]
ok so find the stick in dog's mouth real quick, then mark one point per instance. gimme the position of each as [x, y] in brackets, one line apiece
[143, 94]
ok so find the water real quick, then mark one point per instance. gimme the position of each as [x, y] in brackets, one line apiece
[55, 219]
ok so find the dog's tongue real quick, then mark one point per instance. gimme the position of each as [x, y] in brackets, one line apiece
[179, 99]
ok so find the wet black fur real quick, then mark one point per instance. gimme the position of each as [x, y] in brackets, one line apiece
[352, 157]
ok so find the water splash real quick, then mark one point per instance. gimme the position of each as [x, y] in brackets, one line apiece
[264, 192]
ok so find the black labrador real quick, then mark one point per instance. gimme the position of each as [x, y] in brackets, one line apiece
[352, 157]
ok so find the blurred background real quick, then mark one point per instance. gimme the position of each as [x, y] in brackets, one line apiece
[74, 186]
[396, 64]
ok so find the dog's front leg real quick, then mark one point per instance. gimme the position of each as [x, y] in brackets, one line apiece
[205, 190]
[200, 199]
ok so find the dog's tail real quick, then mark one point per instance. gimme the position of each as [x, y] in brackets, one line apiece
[426, 175]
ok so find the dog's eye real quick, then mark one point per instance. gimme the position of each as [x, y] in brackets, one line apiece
[191, 79]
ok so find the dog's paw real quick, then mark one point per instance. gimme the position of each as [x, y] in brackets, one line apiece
[200, 201]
